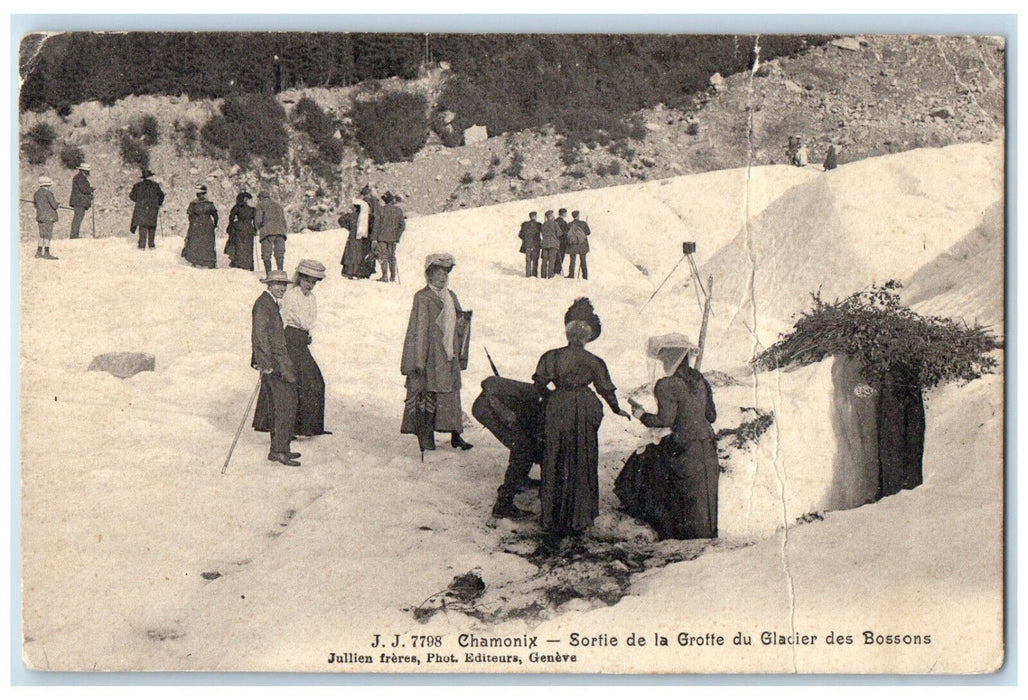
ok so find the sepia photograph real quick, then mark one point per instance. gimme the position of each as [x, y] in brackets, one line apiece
[449, 352]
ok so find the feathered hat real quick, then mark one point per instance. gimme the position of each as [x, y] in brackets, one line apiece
[582, 310]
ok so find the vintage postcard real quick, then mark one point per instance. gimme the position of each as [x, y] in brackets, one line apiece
[347, 352]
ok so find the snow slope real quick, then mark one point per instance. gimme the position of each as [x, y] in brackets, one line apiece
[124, 507]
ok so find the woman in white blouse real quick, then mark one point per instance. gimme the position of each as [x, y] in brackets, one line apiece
[299, 311]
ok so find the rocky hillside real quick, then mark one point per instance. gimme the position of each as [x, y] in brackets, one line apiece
[868, 95]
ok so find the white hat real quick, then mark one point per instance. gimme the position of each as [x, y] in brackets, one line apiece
[44, 181]
[84, 166]
[311, 268]
[444, 260]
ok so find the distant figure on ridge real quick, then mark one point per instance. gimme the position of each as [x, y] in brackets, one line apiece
[46, 216]
[81, 198]
[199, 250]
[148, 197]
[831, 159]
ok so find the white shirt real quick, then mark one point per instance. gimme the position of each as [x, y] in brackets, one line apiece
[299, 310]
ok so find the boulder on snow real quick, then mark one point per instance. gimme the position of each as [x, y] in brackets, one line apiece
[123, 364]
[717, 81]
[942, 113]
[475, 134]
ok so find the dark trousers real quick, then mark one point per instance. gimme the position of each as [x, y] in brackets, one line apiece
[76, 221]
[571, 266]
[283, 411]
[276, 244]
[561, 252]
[531, 262]
[146, 236]
[549, 260]
[517, 441]
[387, 259]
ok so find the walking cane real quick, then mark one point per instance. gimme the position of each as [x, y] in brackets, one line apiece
[241, 424]
[93, 217]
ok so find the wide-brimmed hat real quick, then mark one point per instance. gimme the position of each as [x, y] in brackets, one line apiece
[147, 172]
[44, 181]
[84, 166]
[201, 188]
[444, 260]
[671, 349]
[276, 276]
[311, 268]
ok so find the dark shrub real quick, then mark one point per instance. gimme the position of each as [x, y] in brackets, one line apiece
[693, 129]
[134, 151]
[187, 134]
[495, 161]
[309, 118]
[145, 129]
[392, 126]
[249, 126]
[467, 178]
[42, 134]
[34, 153]
[71, 156]
[516, 165]
[488, 175]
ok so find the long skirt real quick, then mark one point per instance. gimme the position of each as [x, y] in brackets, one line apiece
[570, 491]
[310, 389]
[199, 248]
[353, 256]
[673, 488]
[240, 250]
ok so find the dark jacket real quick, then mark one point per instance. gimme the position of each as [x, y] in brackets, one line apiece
[530, 234]
[268, 339]
[389, 224]
[46, 205]
[270, 218]
[564, 226]
[578, 241]
[81, 191]
[148, 197]
[685, 403]
[551, 234]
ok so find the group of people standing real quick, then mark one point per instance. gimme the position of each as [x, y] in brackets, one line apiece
[546, 244]
[46, 206]
[375, 227]
[291, 401]
[247, 224]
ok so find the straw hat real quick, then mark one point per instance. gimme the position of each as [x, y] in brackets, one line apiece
[44, 181]
[311, 268]
[84, 166]
[444, 260]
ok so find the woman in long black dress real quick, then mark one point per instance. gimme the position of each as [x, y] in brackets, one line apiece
[203, 220]
[241, 231]
[672, 485]
[570, 493]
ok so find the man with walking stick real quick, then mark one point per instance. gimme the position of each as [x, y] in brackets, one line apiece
[278, 376]
[81, 199]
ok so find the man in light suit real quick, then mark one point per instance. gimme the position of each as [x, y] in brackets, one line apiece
[278, 376]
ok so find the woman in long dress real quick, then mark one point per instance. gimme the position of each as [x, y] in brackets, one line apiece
[432, 359]
[299, 314]
[241, 231]
[353, 254]
[203, 220]
[570, 493]
[672, 485]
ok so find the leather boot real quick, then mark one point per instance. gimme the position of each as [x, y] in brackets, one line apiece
[505, 508]
[457, 442]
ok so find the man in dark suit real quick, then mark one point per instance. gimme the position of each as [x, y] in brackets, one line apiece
[562, 248]
[81, 198]
[278, 376]
[531, 244]
[148, 197]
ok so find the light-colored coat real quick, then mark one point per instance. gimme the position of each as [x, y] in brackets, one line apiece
[423, 345]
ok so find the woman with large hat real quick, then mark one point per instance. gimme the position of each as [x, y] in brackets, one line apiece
[241, 230]
[299, 314]
[672, 485]
[203, 221]
[434, 353]
[570, 492]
